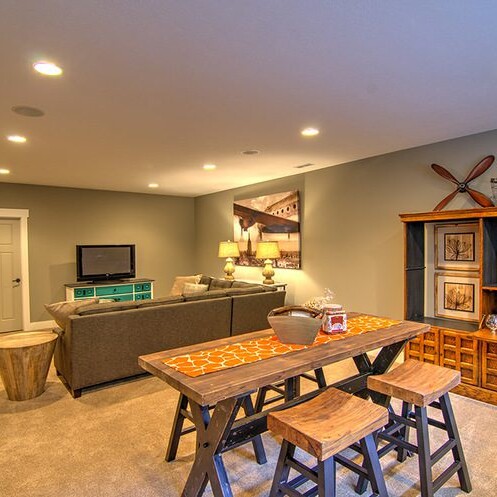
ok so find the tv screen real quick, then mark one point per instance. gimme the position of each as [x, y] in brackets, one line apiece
[105, 262]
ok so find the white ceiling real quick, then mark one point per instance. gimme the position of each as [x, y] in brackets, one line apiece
[153, 89]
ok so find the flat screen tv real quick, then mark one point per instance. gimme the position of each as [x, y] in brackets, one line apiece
[105, 262]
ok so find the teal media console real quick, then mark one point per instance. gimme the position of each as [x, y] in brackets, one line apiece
[117, 291]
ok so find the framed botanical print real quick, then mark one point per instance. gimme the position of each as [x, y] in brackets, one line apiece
[457, 246]
[457, 296]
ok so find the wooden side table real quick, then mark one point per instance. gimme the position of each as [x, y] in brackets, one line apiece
[24, 362]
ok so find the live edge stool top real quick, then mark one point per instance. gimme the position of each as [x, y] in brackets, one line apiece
[415, 382]
[329, 423]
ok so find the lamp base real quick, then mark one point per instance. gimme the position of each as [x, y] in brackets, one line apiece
[229, 269]
[268, 272]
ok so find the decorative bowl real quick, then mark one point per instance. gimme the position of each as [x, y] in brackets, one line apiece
[295, 324]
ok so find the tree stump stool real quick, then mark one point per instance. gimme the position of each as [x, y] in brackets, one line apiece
[24, 362]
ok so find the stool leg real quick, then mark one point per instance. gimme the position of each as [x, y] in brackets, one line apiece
[362, 481]
[327, 477]
[457, 452]
[372, 464]
[424, 456]
[282, 469]
[402, 453]
[179, 419]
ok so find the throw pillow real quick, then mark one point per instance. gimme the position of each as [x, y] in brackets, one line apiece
[60, 311]
[179, 283]
[189, 288]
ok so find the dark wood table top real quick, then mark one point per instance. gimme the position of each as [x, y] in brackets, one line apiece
[240, 380]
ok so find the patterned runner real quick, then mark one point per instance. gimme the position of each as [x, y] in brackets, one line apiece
[229, 356]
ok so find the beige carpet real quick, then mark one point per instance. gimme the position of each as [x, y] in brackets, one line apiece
[111, 442]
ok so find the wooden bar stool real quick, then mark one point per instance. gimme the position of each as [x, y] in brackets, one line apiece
[422, 385]
[324, 426]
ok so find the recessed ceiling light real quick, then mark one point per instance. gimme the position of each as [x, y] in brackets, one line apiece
[4, 171]
[153, 185]
[17, 139]
[209, 167]
[47, 68]
[309, 132]
[24, 110]
[251, 152]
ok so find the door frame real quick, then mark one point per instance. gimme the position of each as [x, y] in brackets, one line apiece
[22, 215]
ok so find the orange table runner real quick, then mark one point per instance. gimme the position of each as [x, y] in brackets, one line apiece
[229, 356]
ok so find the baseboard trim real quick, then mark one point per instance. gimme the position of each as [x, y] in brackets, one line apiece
[41, 325]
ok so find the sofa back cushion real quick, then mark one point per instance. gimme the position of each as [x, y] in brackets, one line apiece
[211, 294]
[218, 283]
[107, 307]
[245, 290]
[172, 299]
[61, 311]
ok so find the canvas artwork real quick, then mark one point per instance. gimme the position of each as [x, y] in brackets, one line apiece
[274, 217]
[457, 296]
[457, 246]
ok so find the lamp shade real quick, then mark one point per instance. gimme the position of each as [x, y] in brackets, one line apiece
[267, 250]
[228, 249]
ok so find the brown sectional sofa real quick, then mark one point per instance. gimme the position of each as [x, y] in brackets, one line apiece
[102, 343]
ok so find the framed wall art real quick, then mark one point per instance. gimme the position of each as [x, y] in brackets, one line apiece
[457, 247]
[274, 217]
[457, 296]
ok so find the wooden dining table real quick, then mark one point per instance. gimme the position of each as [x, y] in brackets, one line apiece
[219, 430]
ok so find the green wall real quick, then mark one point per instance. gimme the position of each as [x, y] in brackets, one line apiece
[351, 233]
[59, 218]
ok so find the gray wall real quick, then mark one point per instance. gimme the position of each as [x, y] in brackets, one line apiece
[161, 227]
[351, 233]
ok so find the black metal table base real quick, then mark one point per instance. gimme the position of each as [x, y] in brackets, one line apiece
[221, 432]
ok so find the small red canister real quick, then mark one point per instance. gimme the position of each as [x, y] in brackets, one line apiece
[334, 319]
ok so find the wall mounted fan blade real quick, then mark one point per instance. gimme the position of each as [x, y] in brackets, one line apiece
[480, 168]
[445, 201]
[444, 173]
[481, 199]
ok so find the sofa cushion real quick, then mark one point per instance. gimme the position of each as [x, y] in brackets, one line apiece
[190, 288]
[172, 299]
[245, 291]
[107, 307]
[205, 280]
[242, 284]
[179, 283]
[211, 294]
[60, 311]
[217, 283]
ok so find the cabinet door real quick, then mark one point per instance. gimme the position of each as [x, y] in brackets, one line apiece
[460, 351]
[425, 348]
[489, 365]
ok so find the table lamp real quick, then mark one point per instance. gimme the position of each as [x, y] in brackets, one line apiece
[268, 251]
[228, 250]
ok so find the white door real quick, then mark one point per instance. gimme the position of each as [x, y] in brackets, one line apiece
[10, 275]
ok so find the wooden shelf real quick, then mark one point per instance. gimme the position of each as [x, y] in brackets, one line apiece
[451, 324]
[451, 343]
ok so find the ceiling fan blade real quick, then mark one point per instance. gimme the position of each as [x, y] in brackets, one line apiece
[481, 199]
[480, 168]
[444, 173]
[445, 201]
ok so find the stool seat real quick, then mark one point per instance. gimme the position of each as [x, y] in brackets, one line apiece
[415, 382]
[329, 423]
